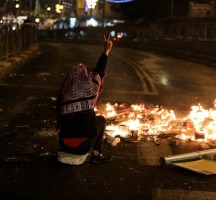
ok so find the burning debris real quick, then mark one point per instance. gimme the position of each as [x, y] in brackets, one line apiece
[137, 122]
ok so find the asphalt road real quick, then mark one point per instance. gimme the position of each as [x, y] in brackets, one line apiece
[28, 140]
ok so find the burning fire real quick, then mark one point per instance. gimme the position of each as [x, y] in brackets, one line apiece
[137, 121]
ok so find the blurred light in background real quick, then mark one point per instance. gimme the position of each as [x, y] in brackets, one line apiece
[91, 22]
[72, 22]
[91, 3]
[119, 1]
[57, 8]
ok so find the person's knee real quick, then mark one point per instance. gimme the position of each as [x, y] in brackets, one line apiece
[101, 119]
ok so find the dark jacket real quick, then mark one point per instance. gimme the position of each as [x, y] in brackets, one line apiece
[77, 100]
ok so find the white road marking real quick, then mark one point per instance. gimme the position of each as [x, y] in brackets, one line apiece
[148, 86]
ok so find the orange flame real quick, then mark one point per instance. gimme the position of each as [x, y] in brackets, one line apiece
[199, 124]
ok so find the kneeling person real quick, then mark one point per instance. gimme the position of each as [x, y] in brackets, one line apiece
[80, 130]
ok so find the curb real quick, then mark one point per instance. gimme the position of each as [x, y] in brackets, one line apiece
[19, 58]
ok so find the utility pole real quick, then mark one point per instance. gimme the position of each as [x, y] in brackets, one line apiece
[37, 7]
[103, 12]
[75, 8]
[30, 7]
[1, 10]
[172, 9]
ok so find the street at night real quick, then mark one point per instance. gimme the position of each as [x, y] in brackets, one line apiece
[29, 140]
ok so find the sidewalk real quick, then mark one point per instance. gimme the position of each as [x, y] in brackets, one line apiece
[6, 64]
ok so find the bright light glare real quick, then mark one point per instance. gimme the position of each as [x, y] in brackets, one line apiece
[72, 22]
[91, 22]
[37, 20]
[57, 8]
[112, 33]
[119, 1]
[91, 3]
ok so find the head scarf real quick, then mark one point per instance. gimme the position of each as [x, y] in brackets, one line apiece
[79, 91]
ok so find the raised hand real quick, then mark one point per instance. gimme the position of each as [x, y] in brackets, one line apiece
[107, 44]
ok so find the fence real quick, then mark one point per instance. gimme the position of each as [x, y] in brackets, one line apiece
[182, 36]
[192, 39]
[195, 29]
[15, 38]
[190, 29]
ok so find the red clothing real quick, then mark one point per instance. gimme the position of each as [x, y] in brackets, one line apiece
[76, 117]
[74, 142]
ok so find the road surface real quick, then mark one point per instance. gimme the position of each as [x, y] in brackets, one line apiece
[29, 142]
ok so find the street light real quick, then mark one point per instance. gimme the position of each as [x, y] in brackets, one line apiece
[17, 7]
[61, 7]
[48, 10]
[172, 8]
[91, 5]
[37, 20]
[119, 1]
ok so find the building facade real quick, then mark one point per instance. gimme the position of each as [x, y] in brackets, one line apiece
[102, 11]
[202, 9]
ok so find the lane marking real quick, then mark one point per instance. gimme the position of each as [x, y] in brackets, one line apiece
[148, 86]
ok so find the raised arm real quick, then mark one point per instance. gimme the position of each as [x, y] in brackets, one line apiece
[107, 44]
[101, 64]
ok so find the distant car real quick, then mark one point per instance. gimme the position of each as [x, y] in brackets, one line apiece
[119, 36]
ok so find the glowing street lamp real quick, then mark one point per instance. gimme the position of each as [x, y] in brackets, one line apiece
[17, 4]
[57, 8]
[48, 8]
[17, 7]
[37, 20]
[61, 7]
[91, 5]
[119, 1]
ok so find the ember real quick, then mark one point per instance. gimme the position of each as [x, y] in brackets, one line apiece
[137, 122]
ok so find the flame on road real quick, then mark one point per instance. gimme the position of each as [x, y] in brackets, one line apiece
[139, 121]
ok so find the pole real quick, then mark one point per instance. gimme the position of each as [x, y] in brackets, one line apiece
[1, 11]
[30, 7]
[171, 8]
[205, 31]
[103, 13]
[75, 8]
[186, 156]
[90, 12]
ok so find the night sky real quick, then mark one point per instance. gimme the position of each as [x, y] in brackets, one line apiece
[147, 9]
[154, 9]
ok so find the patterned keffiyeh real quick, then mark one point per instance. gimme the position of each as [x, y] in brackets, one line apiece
[80, 90]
